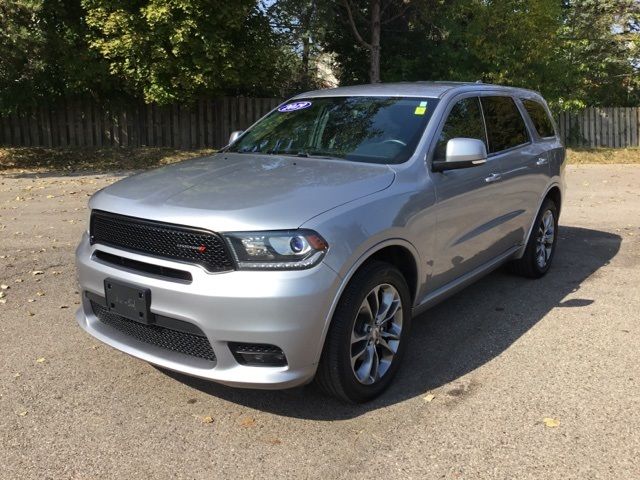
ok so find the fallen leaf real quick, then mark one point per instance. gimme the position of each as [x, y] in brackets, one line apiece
[31, 314]
[23, 413]
[30, 300]
[429, 398]
[64, 306]
[40, 360]
[207, 419]
[551, 422]
[4, 287]
[17, 375]
[19, 280]
[37, 272]
[2, 294]
[247, 422]
[51, 196]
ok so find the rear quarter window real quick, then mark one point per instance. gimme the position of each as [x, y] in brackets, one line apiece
[505, 126]
[540, 118]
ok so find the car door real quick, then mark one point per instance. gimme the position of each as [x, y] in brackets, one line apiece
[524, 162]
[469, 207]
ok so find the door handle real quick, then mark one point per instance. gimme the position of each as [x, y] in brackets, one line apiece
[494, 177]
[542, 161]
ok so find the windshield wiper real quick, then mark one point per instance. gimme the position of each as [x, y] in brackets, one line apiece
[317, 154]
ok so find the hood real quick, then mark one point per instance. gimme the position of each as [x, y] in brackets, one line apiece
[236, 192]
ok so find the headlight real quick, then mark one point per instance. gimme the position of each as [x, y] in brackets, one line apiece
[279, 250]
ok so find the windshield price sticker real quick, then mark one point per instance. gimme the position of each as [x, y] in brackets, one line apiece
[292, 107]
[421, 109]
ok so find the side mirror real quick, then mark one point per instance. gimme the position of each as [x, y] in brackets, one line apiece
[235, 135]
[462, 153]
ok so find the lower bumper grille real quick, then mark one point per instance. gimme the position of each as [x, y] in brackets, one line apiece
[181, 342]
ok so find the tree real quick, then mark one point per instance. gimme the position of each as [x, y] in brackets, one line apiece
[576, 53]
[300, 27]
[44, 54]
[601, 49]
[380, 12]
[177, 50]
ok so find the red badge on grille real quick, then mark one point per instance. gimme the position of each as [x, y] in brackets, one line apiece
[202, 249]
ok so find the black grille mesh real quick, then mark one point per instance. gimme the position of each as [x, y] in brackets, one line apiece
[186, 343]
[161, 240]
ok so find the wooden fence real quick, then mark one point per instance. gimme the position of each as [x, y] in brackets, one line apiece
[601, 127]
[208, 123]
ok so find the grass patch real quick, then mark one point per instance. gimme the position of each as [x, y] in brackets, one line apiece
[13, 160]
[581, 156]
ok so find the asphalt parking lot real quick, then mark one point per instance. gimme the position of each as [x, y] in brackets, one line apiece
[510, 378]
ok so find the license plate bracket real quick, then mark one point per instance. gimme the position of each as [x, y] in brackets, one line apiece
[129, 301]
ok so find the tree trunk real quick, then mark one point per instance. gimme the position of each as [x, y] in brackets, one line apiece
[374, 70]
[306, 20]
[304, 64]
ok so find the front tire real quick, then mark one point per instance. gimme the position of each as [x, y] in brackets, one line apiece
[541, 246]
[367, 336]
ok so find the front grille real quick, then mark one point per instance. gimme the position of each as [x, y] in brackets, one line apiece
[162, 240]
[186, 343]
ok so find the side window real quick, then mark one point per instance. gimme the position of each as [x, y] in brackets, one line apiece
[464, 120]
[540, 118]
[505, 126]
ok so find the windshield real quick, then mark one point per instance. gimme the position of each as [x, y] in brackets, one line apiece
[363, 129]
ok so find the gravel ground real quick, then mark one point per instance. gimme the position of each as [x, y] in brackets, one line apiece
[484, 371]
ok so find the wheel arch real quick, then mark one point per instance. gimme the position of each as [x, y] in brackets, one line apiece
[554, 192]
[395, 251]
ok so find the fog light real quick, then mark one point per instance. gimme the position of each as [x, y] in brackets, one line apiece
[258, 354]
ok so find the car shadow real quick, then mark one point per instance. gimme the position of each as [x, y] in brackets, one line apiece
[455, 337]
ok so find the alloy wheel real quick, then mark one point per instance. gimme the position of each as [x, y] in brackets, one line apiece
[376, 334]
[545, 239]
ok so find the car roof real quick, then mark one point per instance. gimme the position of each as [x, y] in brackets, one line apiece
[410, 89]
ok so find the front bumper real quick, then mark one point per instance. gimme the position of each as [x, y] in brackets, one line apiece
[288, 309]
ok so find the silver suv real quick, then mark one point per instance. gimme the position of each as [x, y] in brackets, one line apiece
[303, 249]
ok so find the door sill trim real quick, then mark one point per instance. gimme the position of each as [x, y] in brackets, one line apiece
[461, 282]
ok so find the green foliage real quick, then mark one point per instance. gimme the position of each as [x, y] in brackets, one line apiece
[600, 43]
[576, 52]
[300, 25]
[177, 50]
[44, 54]
[21, 68]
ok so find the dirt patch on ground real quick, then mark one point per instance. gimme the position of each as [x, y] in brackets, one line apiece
[44, 160]
[510, 378]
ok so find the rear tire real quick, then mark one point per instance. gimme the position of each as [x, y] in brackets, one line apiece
[541, 246]
[368, 333]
